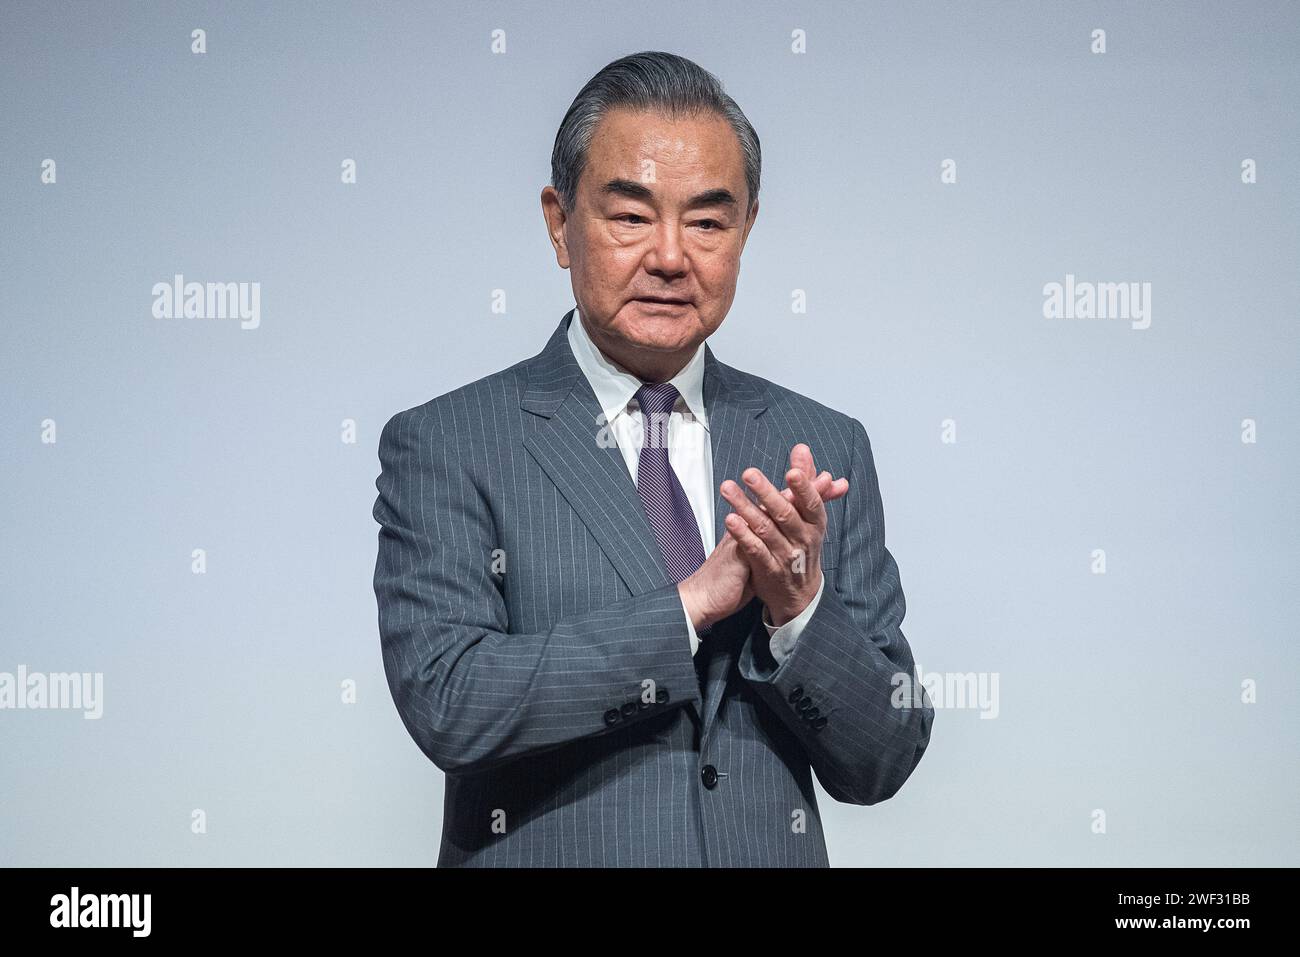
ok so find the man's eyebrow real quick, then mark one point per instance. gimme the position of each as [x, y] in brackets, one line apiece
[634, 190]
[628, 188]
[713, 197]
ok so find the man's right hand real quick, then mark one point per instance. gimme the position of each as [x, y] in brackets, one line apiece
[720, 587]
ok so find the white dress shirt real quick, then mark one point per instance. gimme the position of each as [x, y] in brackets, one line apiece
[689, 452]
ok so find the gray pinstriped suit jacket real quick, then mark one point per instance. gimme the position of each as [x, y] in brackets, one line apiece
[558, 693]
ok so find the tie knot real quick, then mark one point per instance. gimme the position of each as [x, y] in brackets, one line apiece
[657, 398]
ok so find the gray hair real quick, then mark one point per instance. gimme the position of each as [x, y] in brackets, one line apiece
[661, 82]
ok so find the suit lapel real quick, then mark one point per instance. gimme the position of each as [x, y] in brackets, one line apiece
[583, 460]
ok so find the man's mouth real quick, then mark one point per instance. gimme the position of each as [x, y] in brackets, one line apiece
[668, 300]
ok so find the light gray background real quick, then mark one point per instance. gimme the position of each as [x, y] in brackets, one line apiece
[222, 691]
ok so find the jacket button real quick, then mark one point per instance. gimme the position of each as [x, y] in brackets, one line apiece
[709, 775]
[796, 694]
[804, 704]
[629, 709]
[611, 716]
[819, 723]
[661, 696]
[811, 714]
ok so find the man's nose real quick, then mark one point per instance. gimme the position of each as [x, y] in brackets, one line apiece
[666, 254]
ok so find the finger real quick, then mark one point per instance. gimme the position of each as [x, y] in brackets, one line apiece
[828, 490]
[760, 521]
[807, 503]
[751, 546]
[838, 489]
[801, 458]
[806, 499]
[822, 484]
[785, 515]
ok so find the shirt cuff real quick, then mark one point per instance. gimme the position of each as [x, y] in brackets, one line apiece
[781, 638]
[690, 630]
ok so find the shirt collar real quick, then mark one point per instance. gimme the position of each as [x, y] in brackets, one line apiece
[615, 386]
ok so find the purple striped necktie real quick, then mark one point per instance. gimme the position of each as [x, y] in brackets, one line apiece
[662, 495]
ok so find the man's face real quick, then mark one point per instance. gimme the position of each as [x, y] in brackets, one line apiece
[659, 214]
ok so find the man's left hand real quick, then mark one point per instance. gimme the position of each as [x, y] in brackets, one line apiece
[780, 537]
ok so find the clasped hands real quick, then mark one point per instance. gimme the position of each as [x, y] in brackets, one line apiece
[772, 547]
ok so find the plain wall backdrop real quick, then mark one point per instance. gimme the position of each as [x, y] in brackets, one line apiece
[1119, 692]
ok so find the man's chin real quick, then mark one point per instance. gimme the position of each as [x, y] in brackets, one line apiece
[667, 340]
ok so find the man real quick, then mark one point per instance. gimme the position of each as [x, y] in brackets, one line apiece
[611, 669]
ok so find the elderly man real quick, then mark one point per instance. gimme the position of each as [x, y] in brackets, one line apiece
[611, 666]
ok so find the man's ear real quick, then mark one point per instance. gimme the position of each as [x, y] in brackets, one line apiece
[555, 218]
[749, 223]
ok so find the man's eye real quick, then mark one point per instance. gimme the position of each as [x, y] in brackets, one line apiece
[626, 217]
[711, 222]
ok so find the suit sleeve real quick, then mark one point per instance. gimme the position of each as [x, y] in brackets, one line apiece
[471, 693]
[847, 690]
